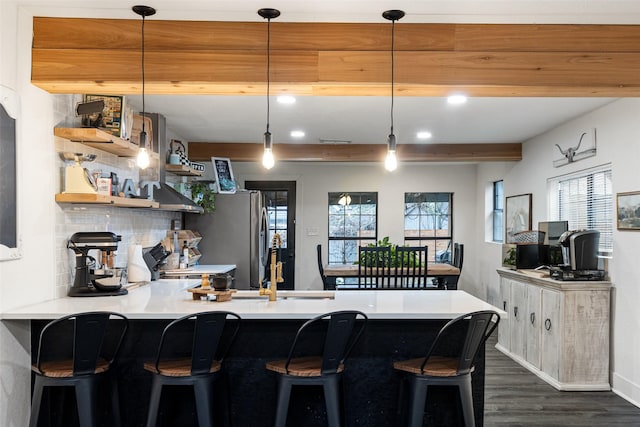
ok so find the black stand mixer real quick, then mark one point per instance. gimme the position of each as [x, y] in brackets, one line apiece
[90, 281]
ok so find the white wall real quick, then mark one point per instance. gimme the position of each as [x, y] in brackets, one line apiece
[316, 180]
[31, 277]
[43, 272]
[618, 142]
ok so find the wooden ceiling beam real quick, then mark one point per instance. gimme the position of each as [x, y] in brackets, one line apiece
[72, 55]
[251, 152]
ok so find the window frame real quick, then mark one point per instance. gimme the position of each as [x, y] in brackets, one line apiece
[422, 240]
[599, 203]
[498, 211]
[335, 195]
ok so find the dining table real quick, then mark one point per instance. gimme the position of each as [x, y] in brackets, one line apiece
[338, 275]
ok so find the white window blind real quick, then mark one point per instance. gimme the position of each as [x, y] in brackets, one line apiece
[585, 199]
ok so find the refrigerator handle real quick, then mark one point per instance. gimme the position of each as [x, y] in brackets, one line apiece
[264, 241]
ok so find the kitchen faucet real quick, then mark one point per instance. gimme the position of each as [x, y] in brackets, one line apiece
[275, 268]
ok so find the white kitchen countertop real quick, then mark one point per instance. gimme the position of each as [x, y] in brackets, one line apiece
[169, 299]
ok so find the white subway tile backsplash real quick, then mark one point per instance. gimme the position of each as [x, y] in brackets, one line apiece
[136, 226]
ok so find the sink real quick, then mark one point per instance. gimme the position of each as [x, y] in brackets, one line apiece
[285, 295]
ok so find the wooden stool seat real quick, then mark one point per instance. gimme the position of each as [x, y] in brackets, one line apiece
[300, 367]
[177, 367]
[436, 366]
[64, 368]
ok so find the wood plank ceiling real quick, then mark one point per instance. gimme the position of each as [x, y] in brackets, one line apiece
[73, 55]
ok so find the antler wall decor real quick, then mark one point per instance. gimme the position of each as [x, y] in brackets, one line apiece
[571, 154]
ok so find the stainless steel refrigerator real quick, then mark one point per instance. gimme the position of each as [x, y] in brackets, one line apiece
[234, 233]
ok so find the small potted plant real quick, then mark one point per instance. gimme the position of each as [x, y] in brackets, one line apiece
[202, 194]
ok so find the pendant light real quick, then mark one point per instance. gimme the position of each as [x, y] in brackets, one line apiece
[267, 157]
[391, 162]
[143, 154]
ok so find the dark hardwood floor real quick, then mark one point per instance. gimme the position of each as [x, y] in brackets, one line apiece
[516, 397]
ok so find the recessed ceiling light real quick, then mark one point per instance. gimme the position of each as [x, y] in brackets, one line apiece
[457, 99]
[297, 134]
[286, 99]
[424, 135]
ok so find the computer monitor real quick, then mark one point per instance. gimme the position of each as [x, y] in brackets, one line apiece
[553, 230]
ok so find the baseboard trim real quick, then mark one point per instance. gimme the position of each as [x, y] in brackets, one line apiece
[626, 389]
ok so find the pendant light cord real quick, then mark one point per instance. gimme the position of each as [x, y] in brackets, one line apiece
[268, 67]
[393, 26]
[143, 109]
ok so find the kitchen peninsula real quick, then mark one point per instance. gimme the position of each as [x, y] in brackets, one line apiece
[402, 324]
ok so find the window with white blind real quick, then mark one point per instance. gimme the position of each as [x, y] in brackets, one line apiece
[585, 199]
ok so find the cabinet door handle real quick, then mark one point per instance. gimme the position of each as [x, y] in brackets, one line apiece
[504, 305]
[515, 311]
[532, 316]
[547, 324]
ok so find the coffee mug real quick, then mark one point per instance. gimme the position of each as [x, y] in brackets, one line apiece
[174, 159]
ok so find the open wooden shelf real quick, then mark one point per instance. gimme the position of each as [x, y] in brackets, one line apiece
[102, 199]
[99, 139]
[182, 170]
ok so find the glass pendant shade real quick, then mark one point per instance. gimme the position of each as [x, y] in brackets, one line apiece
[143, 155]
[268, 160]
[391, 161]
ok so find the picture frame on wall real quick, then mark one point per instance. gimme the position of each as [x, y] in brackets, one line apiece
[10, 235]
[224, 175]
[517, 215]
[628, 210]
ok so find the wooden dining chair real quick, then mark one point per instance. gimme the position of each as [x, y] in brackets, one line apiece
[410, 270]
[373, 267]
[325, 282]
[458, 255]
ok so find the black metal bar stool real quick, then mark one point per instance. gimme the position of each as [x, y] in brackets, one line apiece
[79, 350]
[190, 354]
[339, 334]
[441, 367]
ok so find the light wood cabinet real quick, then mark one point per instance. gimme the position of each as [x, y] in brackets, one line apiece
[533, 321]
[551, 330]
[558, 330]
[517, 315]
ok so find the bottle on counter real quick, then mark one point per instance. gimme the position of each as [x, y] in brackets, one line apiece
[184, 255]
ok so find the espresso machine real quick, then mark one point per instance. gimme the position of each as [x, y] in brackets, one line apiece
[579, 256]
[92, 280]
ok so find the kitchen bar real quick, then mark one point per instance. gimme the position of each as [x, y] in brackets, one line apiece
[401, 325]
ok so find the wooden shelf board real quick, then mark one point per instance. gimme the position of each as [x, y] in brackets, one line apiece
[182, 170]
[101, 199]
[99, 139]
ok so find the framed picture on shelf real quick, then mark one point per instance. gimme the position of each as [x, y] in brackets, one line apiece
[110, 118]
[517, 215]
[628, 210]
[224, 175]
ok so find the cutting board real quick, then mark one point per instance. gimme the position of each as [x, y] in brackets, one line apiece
[221, 296]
